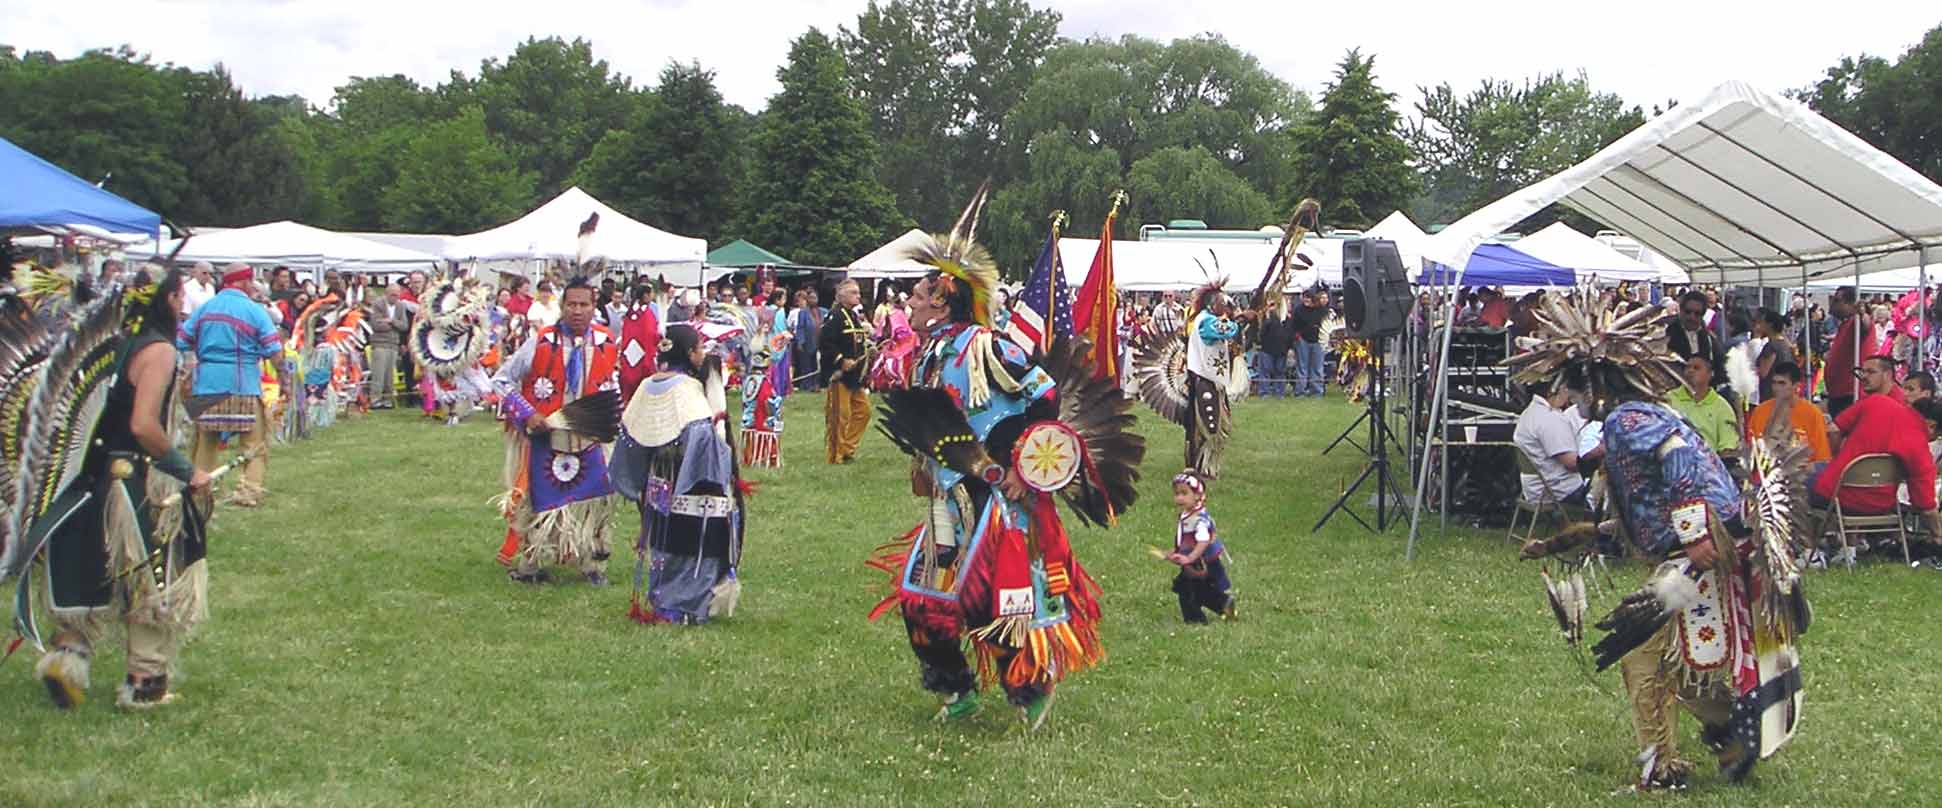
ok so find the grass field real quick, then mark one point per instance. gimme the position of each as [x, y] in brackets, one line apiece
[364, 649]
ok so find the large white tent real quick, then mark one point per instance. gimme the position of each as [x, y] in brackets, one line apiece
[551, 233]
[1742, 187]
[892, 260]
[1409, 238]
[298, 246]
[1888, 280]
[1178, 265]
[1561, 245]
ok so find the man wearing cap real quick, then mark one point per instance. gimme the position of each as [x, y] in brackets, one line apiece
[226, 341]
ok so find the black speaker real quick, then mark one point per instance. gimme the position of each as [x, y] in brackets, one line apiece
[1375, 288]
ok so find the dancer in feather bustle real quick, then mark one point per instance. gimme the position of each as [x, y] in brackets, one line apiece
[1714, 629]
[993, 438]
[95, 500]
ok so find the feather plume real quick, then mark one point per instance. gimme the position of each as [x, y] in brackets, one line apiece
[1160, 373]
[585, 236]
[1603, 350]
[1740, 372]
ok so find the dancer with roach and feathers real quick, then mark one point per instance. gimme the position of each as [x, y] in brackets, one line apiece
[560, 400]
[448, 338]
[992, 438]
[93, 487]
[1715, 627]
[1193, 375]
[675, 459]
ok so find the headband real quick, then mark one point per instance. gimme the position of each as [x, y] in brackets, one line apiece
[1192, 482]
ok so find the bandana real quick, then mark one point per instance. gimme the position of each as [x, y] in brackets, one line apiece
[238, 277]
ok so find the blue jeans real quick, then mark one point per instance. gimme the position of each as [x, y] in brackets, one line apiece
[1270, 374]
[1308, 368]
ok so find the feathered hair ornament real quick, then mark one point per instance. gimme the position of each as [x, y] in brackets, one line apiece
[583, 264]
[1604, 351]
[962, 260]
[1205, 295]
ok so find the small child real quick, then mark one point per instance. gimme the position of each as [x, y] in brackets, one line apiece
[1202, 582]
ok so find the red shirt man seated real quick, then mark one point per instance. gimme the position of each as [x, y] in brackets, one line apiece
[1878, 424]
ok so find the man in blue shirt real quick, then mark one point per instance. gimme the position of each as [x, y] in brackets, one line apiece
[226, 341]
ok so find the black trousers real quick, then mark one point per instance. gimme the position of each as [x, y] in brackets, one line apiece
[944, 668]
[1201, 593]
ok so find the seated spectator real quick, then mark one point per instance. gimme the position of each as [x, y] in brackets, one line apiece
[1707, 410]
[1787, 411]
[1547, 433]
[1878, 424]
[1918, 386]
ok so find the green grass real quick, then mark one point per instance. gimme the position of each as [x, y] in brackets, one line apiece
[364, 649]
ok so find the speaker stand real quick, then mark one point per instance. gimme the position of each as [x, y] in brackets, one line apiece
[1388, 494]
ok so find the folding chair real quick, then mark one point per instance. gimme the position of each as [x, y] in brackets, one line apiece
[1547, 501]
[1867, 471]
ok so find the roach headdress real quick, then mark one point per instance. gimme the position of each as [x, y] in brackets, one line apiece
[962, 260]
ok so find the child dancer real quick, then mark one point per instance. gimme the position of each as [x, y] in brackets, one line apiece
[1202, 582]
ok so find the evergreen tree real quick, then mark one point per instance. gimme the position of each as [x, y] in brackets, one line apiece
[674, 165]
[813, 194]
[1352, 154]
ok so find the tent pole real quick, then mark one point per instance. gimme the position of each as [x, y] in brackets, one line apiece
[1437, 407]
[1922, 308]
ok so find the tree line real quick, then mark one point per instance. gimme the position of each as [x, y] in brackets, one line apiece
[887, 124]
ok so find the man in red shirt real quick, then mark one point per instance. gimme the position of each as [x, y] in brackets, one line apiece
[1840, 358]
[1878, 424]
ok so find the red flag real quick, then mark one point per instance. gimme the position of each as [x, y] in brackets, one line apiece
[1097, 314]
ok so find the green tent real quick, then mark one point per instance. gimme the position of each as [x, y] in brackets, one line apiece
[741, 253]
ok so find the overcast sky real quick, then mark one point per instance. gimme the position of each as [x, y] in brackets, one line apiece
[1646, 51]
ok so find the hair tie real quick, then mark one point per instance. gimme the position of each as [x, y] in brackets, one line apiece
[667, 344]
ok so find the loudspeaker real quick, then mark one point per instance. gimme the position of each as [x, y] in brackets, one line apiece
[1375, 289]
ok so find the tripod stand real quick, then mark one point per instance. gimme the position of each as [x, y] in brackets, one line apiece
[1388, 494]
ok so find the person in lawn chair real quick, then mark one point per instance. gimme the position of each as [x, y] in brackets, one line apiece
[1714, 629]
[99, 506]
[560, 400]
[992, 437]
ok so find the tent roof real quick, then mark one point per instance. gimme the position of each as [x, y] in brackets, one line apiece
[551, 232]
[429, 243]
[743, 253]
[1559, 244]
[1742, 187]
[297, 245]
[44, 196]
[1888, 280]
[1498, 265]
[892, 260]
[1157, 266]
[1409, 238]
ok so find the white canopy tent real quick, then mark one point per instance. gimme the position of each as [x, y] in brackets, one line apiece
[1568, 248]
[551, 233]
[1409, 238]
[1179, 265]
[1888, 280]
[1741, 187]
[892, 260]
[298, 246]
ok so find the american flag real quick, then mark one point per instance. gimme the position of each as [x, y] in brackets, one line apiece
[1044, 297]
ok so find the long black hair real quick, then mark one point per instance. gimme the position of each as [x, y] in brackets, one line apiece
[679, 340]
[157, 316]
[960, 301]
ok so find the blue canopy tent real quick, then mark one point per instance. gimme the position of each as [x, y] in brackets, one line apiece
[42, 196]
[1498, 265]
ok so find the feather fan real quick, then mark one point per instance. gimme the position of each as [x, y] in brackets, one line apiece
[926, 422]
[1160, 373]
